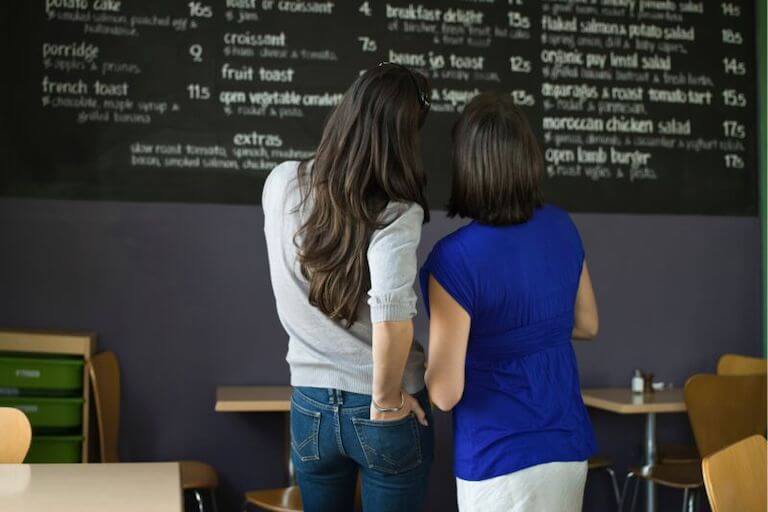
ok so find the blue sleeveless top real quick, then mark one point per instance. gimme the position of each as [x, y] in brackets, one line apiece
[522, 402]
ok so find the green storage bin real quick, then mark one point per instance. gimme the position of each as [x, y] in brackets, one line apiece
[48, 449]
[47, 412]
[41, 373]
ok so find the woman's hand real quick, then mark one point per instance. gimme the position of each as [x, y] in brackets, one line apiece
[410, 405]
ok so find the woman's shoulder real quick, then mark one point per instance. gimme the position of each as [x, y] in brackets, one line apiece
[283, 173]
[452, 245]
[553, 211]
[279, 179]
[400, 226]
[402, 215]
[560, 216]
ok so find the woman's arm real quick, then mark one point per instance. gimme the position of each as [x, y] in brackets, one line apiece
[448, 336]
[392, 265]
[585, 320]
[391, 345]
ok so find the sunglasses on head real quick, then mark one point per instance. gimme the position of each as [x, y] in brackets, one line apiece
[424, 100]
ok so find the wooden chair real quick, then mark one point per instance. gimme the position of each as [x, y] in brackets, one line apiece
[284, 499]
[735, 477]
[603, 464]
[728, 364]
[16, 435]
[287, 499]
[104, 371]
[734, 364]
[724, 409]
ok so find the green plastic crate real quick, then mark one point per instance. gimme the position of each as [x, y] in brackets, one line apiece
[47, 412]
[41, 373]
[49, 449]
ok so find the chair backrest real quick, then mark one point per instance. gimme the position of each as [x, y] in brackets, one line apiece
[734, 364]
[735, 477]
[16, 435]
[725, 409]
[105, 380]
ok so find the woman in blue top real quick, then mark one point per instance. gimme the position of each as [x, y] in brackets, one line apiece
[506, 294]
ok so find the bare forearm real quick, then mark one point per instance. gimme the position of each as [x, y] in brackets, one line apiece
[391, 345]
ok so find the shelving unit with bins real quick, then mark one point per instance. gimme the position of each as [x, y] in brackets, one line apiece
[28, 359]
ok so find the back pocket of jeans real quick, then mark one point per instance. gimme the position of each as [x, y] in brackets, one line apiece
[390, 446]
[305, 429]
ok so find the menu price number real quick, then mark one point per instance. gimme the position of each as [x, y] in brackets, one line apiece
[365, 8]
[730, 9]
[523, 98]
[196, 52]
[734, 98]
[199, 92]
[731, 36]
[733, 161]
[368, 44]
[200, 10]
[518, 20]
[518, 64]
[734, 66]
[734, 129]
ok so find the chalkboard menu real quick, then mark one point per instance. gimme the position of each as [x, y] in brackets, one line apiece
[644, 106]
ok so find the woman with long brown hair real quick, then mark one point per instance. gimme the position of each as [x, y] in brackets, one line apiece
[342, 230]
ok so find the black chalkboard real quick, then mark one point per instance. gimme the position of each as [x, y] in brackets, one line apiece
[646, 107]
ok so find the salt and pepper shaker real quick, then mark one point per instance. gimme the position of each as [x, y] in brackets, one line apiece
[642, 383]
[648, 383]
[638, 383]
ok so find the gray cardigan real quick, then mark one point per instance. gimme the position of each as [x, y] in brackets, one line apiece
[322, 352]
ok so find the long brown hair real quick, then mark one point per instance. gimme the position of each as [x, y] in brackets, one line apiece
[369, 154]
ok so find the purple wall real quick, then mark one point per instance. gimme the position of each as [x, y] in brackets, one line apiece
[181, 293]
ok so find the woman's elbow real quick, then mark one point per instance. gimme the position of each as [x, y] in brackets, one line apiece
[586, 330]
[445, 397]
[445, 402]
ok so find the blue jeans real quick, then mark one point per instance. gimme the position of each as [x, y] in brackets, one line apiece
[332, 438]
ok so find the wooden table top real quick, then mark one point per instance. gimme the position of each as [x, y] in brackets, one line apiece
[619, 400]
[623, 401]
[124, 487]
[253, 398]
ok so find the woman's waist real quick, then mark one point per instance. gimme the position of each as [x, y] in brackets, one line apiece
[347, 354]
[332, 367]
[541, 385]
[496, 415]
[510, 347]
[329, 399]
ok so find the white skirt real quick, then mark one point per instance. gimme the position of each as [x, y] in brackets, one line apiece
[552, 487]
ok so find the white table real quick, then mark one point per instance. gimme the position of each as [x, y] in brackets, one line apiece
[623, 401]
[123, 487]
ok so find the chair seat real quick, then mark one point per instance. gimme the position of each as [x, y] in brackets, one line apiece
[674, 453]
[598, 463]
[284, 499]
[198, 475]
[681, 475]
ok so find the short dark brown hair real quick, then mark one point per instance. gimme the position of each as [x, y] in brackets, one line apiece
[497, 163]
